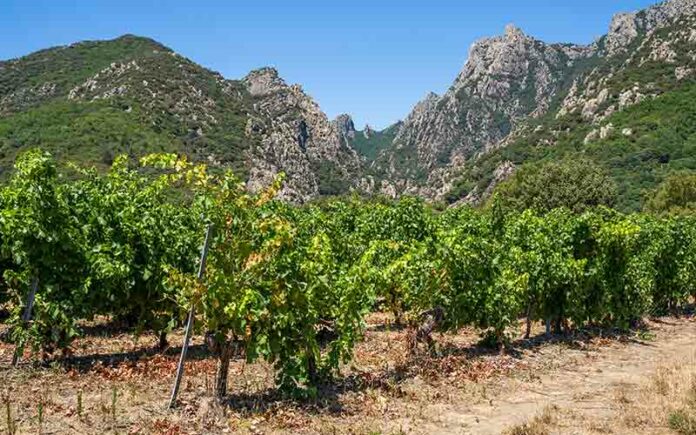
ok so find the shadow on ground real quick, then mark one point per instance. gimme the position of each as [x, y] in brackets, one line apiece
[328, 397]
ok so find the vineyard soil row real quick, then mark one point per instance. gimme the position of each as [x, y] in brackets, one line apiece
[579, 384]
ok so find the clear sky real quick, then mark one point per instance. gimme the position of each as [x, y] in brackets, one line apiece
[372, 59]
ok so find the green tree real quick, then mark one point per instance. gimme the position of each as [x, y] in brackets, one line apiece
[676, 195]
[574, 184]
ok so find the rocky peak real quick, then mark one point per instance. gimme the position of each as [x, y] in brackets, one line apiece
[625, 27]
[665, 13]
[511, 56]
[514, 32]
[506, 79]
[487, 50]
[622, 31]
[264, 81]
[428, 103]
[345, 126]
[368, 132]
[296, 137]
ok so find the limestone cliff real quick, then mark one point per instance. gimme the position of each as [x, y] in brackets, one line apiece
[297, 138]
[505, 80]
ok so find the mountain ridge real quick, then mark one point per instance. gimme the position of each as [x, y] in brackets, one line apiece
[514, 99]
[561, 71]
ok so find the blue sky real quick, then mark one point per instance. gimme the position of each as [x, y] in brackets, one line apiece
[372, 59]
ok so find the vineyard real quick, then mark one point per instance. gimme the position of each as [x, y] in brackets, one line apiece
[292, 285]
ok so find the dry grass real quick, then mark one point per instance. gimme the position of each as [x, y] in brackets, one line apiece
[666, 401]
[541, 424]
[663, 403]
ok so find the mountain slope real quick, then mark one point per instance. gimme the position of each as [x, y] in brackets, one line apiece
[506, 79]
[127, 95]
[91, 100]
[516, 94]
[631, 110]
[624, 101]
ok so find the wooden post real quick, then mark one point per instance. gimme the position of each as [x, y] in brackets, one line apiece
[189, 322]
[26, 317]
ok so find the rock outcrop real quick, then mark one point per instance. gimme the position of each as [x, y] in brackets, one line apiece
[297, 138]
[506, 79]
[625, 28]
[345, 126]
[658, 38]
[368, 132]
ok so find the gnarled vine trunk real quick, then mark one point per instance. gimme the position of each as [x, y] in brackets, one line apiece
[397, 309]
[528, 314]
[162, 342]
[312, 371]
[223, 369]
[423, 333]
[224, 349]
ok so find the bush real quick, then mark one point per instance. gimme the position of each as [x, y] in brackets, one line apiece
[676, 195]
[574, 184]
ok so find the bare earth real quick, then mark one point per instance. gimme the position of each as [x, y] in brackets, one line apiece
[580, 384]
[586, 390]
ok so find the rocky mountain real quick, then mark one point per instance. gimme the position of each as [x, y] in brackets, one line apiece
[297, 137]
[625, 104]
[516, 92]
[89, 101]
[624, 101]
[505, 80]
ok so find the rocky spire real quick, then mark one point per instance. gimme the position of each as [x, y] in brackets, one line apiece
[512, 31]
[626, 26]
[368, 132]
[345, 126]
[296, 137]
[263, 81]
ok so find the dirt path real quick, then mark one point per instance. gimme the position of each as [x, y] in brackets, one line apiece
[585, 390]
